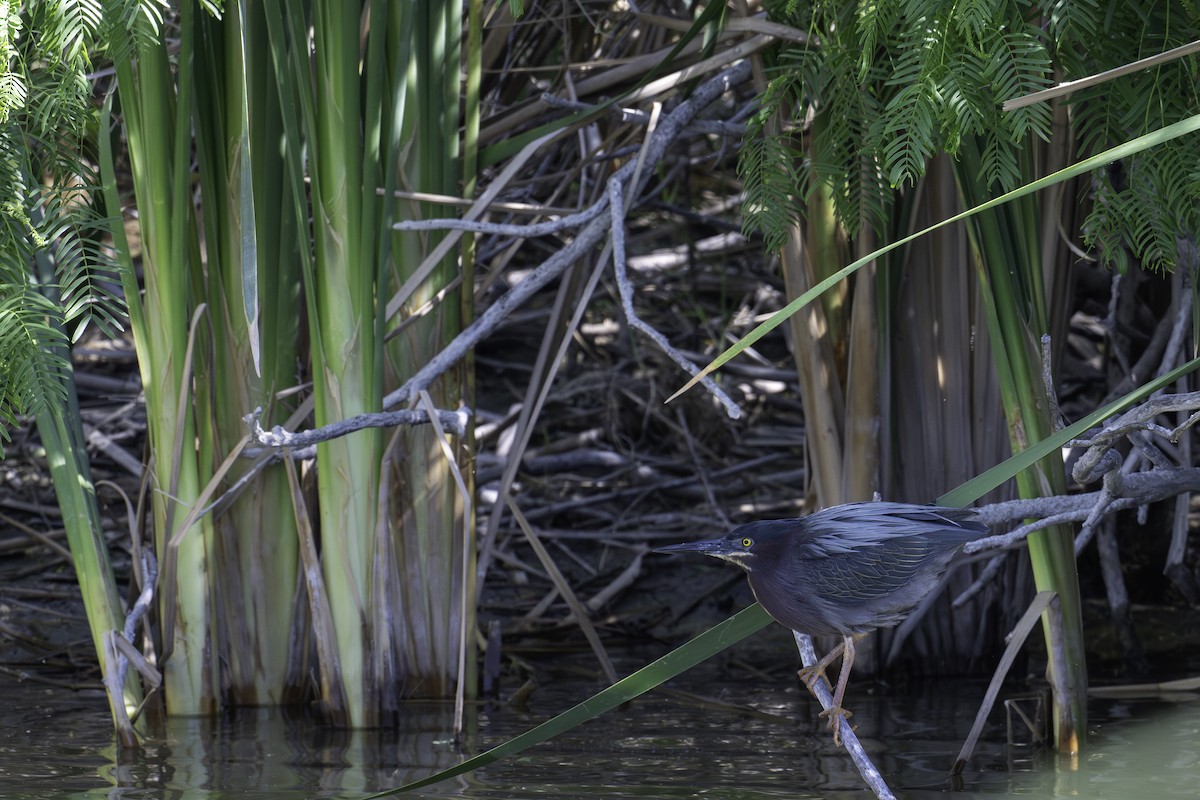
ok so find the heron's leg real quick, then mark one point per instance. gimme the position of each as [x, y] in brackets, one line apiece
[810, 675]
[835, 713]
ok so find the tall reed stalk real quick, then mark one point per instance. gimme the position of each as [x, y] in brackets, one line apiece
[156, 107]
[336, 104]
[60, 428]
[432, 523]
[252, 285]
[1007, 247]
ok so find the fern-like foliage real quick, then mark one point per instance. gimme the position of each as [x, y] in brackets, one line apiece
[893, 84]
[776, 166]
[1147, 206]
[46, 214]
[889, 85]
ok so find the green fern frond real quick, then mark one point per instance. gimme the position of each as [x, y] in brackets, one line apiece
[911, 132]
[1020, 65]
[121, 33]
[976, 21]
[772, 187]
[875, 26]
[67, 27]
[965, 101]
[1105, 228]
[87, 273]
[875, 195]
[999, 164]
[28, 345]
[913, 62]
[770, 165]
[1094, 118]
[1074, 28]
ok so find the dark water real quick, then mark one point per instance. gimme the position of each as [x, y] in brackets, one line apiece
[59, 744]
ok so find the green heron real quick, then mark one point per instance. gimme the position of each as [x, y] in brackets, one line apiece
[844, 571]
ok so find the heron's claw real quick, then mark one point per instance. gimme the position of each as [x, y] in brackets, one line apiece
[810, 675]
[836, 715]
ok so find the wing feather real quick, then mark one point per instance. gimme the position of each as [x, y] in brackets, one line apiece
[869, 573]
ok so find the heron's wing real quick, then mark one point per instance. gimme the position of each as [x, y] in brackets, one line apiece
[861, 552]
[854, 526]
[868, 573]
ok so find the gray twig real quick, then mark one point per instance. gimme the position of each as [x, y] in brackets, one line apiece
[1183, 310]
[637, 117]
[625, 288]
[524, 230]
[866, 768]
[453, 421]
[1100, 458]
[591, 235]
[120, 652]
[990, 571]
[1056, 417]
[1127, 491]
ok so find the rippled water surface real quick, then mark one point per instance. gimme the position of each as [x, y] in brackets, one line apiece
[58, 744]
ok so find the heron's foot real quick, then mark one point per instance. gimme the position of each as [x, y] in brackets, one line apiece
[810, 675]
[837, 717]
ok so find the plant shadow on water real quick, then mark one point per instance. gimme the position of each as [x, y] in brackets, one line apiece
[54, 744]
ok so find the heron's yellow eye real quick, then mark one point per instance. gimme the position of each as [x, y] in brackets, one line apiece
[747, 542]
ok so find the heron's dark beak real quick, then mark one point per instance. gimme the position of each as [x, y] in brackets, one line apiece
[709, 547]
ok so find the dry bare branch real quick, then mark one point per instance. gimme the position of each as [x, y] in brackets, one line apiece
[591, 235]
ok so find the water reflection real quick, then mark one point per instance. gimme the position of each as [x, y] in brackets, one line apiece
[57, 745]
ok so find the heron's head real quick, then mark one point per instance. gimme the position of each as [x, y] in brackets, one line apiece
[744, 544]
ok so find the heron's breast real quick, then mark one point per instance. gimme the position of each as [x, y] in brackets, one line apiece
[797, 611]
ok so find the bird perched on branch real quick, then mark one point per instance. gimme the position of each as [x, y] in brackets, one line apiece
[845, 571]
